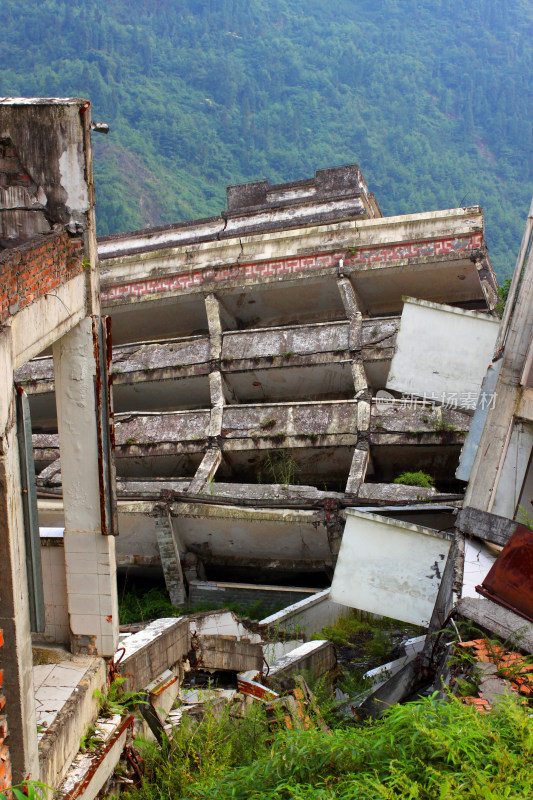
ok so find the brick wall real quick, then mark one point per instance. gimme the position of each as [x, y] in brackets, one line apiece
[5, 761]
[31, 270]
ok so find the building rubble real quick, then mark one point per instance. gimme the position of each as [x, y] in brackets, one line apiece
[227, 404]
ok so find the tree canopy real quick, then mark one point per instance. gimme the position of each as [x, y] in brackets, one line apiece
[432, 99]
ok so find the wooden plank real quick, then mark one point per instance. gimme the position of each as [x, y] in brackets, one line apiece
[498, 620]
[486, 526]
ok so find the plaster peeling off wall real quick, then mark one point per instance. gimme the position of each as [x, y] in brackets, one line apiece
[43, 178]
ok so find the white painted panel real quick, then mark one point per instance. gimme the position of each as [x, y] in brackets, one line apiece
[388, 567]
[442, 350]
[511, 480]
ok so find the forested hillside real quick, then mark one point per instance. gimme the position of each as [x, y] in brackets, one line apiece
[432, 99]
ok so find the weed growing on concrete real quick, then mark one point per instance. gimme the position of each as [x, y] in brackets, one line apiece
[524, 518]
[90, 740]
[441, 426]
[116, 700]
[282, 467]
[416, 479]
[425, 749]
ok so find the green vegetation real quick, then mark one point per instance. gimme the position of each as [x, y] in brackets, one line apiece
[426, 750]
[116, 700]
[416, 479]
[279, 466]
[431, 98]
[34, 790]
[138, 605]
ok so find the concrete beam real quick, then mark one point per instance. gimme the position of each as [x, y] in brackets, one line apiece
[367, 235]
[498, 620]
[486, 526]
[153, 650]
[206, 471]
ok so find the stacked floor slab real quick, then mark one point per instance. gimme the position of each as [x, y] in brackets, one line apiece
[248, 352]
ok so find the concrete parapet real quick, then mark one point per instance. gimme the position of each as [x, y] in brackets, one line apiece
[316, 657]
[153, 650]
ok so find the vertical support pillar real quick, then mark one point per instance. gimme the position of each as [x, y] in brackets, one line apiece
[355, 317]
[89, 555]
[218, 391]
[17, 714]
[170, 560]
[357, 470]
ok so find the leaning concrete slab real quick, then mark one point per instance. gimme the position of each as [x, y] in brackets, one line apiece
[453, 373]
[150, 652]
[316, 657]
[389, 568]
[498, 620]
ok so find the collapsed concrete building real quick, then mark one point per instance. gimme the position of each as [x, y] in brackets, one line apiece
[249, 352]
[275, 369]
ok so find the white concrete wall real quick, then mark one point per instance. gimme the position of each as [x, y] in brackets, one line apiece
[55, 594]
[441, 350]
[388, 567]
[309, 615]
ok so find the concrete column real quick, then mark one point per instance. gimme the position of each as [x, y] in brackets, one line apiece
[89, 555]
[16, 654]
[205, 471]
[170, 560]
[214, 323]
[357, 470]
[355, 317]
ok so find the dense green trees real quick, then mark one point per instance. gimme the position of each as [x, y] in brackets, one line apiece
[431, 98]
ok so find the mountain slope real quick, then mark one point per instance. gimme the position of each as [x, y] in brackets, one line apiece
[431, 98]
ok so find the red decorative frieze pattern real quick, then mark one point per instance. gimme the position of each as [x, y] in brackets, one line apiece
[270, 269]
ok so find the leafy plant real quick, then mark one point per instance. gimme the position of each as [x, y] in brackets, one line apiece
[427, 749]
[503, 293]
[116, 700]
[418, 478]
[90, 739]
[34, 790]
[524, 518]
[139, 606]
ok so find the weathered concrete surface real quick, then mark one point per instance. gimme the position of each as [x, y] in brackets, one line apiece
[158, 647]
[227, 653]
[498, 620]
[61, 741]
[316, 657]
[91, 770]
[461, 228]
[486, 526]
[246, 593]
[389, 568]
[308, 616]
[423, 367]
